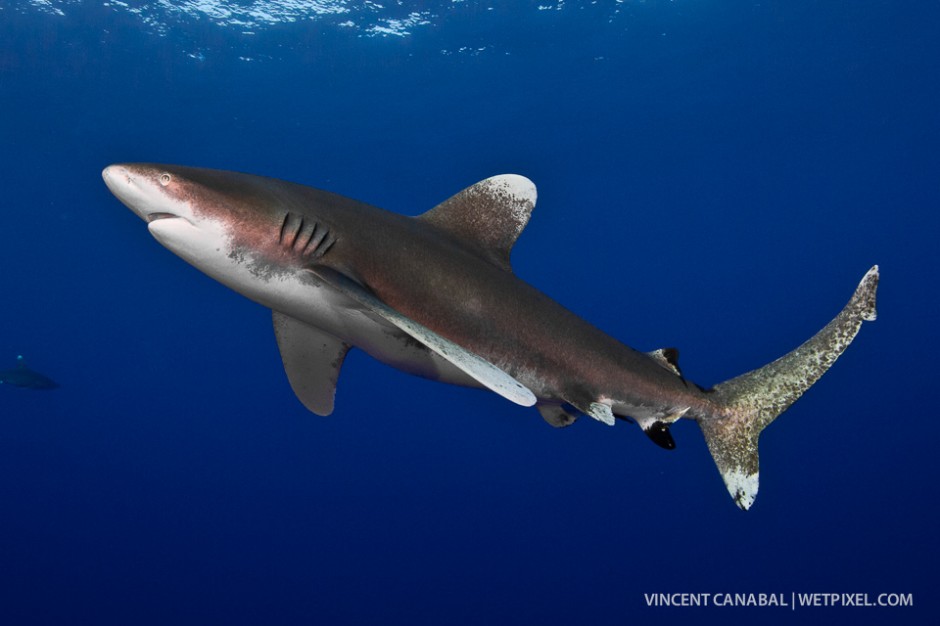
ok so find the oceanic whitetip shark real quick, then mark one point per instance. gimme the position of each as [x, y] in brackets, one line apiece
[434, 295]
[22, 376]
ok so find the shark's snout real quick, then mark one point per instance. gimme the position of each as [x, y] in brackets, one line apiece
[116, 177]
[126, 187]
[135, 187]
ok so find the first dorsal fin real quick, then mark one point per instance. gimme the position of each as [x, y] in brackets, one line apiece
[487, 217]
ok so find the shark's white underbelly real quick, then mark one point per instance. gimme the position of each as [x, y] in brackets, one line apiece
[301, 296]
[297, 293]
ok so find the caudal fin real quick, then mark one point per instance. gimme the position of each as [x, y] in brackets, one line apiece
[752, 401]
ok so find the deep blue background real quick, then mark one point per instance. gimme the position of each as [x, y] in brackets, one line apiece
[712, 175]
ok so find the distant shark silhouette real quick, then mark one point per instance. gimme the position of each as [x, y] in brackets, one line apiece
[22, 376]
[435, 296]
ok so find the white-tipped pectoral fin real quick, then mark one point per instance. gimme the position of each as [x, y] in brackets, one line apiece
[477, 368]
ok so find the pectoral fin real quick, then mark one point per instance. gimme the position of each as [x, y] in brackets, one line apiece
[479, 369]
[312, 359]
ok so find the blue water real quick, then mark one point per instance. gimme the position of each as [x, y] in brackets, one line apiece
[715, 176]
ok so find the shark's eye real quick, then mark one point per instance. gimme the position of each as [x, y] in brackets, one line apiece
[165, 179]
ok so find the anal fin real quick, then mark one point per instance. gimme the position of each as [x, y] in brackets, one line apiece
[312, 360]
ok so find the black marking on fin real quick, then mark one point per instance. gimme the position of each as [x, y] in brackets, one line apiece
[668, 358]
[659, 434]
[672, 357]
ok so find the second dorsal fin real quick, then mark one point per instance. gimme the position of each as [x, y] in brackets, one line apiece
[667, 358]
[487, 217]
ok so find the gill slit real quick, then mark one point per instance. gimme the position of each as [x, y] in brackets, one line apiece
[312, 240]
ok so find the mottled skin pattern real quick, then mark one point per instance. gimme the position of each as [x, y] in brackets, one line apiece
[757, 398]
[434, 278]
[489, 311]
[448, 270]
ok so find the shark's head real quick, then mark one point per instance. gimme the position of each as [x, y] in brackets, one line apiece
[186, 207]
[245, 231]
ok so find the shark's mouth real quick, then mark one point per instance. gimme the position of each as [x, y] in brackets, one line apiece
[159, 215]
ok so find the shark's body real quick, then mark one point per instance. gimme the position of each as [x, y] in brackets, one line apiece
[434, 295]
[22, 376]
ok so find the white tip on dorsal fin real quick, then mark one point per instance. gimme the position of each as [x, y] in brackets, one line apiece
[488, 216]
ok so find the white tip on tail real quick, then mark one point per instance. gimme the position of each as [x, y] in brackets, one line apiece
[750, 402]
[742, 487]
